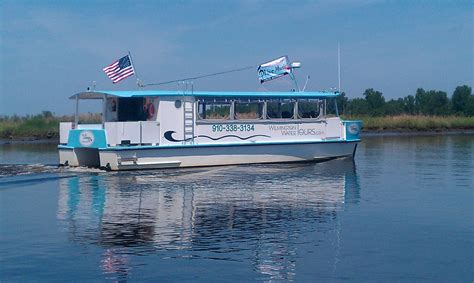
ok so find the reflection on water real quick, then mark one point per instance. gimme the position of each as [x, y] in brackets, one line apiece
[404, 214]
[233, 213]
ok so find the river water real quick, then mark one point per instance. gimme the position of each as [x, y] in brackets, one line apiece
[402, 211]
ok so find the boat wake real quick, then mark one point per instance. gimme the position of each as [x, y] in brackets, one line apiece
[13, 175]
[9, 170]
[81, 169]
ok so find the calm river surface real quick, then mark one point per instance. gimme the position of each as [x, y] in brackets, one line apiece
[402, 211]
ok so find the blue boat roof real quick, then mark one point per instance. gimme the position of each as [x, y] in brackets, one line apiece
[223, 94]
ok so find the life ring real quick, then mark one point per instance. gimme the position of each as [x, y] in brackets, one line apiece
[150, 109]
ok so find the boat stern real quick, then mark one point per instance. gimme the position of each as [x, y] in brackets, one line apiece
[82, 148]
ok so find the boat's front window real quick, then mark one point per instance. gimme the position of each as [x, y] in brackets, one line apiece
[309, 108]
[132, 109]
[214, 109]
[248, 110]
[280, 109]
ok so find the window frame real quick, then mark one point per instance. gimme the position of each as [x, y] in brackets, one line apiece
[200, 101]
[293, 103]
[232, 116]
[319, 104]
[260, 104]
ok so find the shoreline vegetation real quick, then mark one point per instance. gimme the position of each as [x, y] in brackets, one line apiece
[41, 127]
[412, 123]
[44, 126]
[426, 111]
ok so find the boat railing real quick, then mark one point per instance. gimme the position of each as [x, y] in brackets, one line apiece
[132, 133]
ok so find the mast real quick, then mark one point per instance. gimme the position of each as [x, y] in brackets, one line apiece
[139, 83]
[339, 66]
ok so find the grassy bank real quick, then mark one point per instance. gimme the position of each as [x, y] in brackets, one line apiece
[38, 126]
[29, 128]
[47, 126]
[415, 123]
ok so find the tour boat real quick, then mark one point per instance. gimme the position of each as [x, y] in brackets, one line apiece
[148, 129]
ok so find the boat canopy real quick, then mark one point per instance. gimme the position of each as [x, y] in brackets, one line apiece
[226, 94]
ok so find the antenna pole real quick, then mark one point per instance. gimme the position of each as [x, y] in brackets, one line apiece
[294, 80]
[307, 79]
[139, 83]
[339, 66]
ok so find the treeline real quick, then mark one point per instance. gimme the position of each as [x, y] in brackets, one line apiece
[425, 110]
[431, 102]
[49, 117]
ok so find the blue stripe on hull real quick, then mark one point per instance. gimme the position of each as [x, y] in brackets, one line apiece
[119, 148]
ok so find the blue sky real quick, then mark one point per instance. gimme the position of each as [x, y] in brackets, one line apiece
[53, 49]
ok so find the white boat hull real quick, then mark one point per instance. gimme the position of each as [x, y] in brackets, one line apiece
[192, 156]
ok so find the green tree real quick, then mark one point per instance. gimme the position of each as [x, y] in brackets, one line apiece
[421, 100]
[460, 99]
[394, 107]
[431, 102]
[47, 114]
[342, 103]
[375, 102]
[438, 103]
[358, 106]
[409, 104]
[470, 106]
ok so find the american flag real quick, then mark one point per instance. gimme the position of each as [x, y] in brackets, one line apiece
[120, 69]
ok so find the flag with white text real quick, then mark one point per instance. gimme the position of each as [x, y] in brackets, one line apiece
[120, 69]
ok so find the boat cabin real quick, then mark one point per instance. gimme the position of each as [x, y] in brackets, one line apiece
[143, 117]
[163, 119]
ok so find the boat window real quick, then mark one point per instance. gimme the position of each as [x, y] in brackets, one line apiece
[214, 109]
[280, 109]
[308, 108]
[248, 110]
[131, 109]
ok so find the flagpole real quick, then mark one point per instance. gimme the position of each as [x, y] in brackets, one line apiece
[339, 66]
[135, 70]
